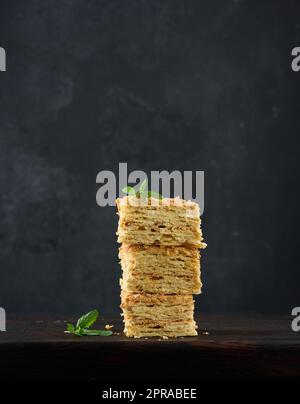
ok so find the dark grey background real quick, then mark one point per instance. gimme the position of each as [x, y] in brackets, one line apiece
[185, 85]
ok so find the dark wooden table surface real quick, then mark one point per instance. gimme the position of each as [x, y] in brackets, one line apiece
[228, 348]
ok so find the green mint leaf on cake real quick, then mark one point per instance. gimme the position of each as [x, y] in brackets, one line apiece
[142, 192]
[129, 191]
[83, 324]
[143, 186]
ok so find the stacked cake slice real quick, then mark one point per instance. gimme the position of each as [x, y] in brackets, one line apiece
[161, 265]
[154, 269]
[150, 315]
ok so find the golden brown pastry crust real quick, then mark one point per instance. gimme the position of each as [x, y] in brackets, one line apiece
[128, 299]
[167, 222]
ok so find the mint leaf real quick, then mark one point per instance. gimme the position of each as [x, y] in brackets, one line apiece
[70, 328]
[87, 319]
[142, 192]
[143, 186]
[83, 324]
[103, 333]
[129, 191]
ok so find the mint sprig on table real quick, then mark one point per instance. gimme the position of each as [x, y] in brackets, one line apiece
[142, 192]
[83, 326]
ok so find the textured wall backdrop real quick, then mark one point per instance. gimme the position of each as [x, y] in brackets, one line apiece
[184, 85]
